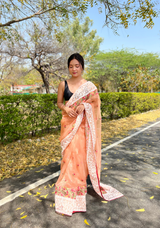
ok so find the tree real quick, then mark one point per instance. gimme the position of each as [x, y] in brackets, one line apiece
[78, 37]
[116, 67]
[29, 77]
[129, 11]
[116, 12]
[40, 49]
[17, 11]
[141, 79]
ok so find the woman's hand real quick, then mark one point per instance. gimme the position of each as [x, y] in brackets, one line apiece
[70, 112]
[80, 109]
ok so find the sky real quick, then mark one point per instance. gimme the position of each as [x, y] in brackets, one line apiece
[136, 37]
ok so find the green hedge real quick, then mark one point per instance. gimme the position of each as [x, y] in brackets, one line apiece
[22, 114]
[118, 105]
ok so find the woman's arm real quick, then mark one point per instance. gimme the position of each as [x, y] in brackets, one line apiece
[60, 96]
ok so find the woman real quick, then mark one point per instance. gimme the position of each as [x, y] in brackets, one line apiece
[80, 141]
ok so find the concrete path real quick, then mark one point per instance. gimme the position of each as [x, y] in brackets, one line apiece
[132, 167]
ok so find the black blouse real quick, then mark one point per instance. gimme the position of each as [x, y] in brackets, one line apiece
[67, 92]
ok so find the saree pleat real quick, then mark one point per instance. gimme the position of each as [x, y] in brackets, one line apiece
[81, 154]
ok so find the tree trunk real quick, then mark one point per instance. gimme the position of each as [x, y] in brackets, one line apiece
[45, 80]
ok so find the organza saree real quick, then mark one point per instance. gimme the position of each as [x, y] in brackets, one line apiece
[81, 153]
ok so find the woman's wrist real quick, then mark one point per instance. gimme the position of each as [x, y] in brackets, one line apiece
[64, 107]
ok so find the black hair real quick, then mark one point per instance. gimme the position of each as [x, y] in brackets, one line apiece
[78, 57]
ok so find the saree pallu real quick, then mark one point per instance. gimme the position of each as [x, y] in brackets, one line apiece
[81, 153]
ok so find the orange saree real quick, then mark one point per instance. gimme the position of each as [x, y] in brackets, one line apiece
[81, 153]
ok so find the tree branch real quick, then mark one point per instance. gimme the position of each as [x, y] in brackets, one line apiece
[26, 18]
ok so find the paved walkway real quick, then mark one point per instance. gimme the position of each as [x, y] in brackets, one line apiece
[133, 167]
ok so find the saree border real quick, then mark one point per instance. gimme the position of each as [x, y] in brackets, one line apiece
[105, 191]
[64, 205]
[81, 92]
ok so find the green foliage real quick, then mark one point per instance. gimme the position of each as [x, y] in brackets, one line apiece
[117, 13]
[141, 80]
[30, 78]
[21, 114]
[115, 65]
[80, 38]
[127, 12]
[14, 12]
[119, 105]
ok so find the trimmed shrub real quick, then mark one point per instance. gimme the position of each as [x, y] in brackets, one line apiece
[24, 114]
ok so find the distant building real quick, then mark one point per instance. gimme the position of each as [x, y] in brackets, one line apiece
[29, 89]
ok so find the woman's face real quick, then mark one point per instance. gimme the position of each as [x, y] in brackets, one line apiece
[75, 68]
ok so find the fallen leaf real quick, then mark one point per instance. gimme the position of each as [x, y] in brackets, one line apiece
[109, 218]
[155, 173]
[122, 180]
[38, 193]
[51, 186]
[105, 168]
[140, 210]
[44, 196]
[126, 178]
[53, 192]
[39, 171]
[22, 213]
[45, 187]
[8, 191]
[29, 193]
[157, 186]
[24, 217]
[105, 175]
[151, 197]
[21, 196]
[85, 221]
[104, 201]
[39, 200]
[53, 204]
[18, 208]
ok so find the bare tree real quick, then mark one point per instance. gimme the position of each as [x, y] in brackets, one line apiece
[39, 49]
